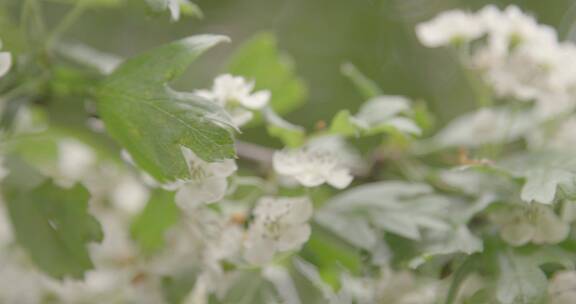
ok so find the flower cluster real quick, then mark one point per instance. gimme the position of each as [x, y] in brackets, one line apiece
[520, 58]
[235, 94]
[312, 168]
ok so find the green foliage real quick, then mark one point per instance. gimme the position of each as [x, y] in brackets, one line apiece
[381, 114]
[153, 122]
[177, 288]
[521, 281]
[260, 60]
[54, 227]
[150, 226]
[291, 135]
[397, 207]
[545, 174]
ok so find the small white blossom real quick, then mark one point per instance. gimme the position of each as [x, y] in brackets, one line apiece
[75, 161]
[129, 194]
[312, 166]
[279, 225]
[537, 224]
[511, 27]
[236, 95]
[562, 288]
[209, 181]
[449, 27]
[5, 62]
[519, 58]
[174, 8]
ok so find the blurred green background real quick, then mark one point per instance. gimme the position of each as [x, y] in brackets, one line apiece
[375, 35]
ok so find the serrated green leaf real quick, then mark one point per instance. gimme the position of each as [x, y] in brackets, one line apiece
[545, 173]
[521, 281]
[149, 228]
[153, 122]
[260, 60]
[54, 227]
[397, 207]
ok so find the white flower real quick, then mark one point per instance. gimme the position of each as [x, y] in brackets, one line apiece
[174, 8]
[562, 288]
[519, 59]
[279, 225]
[537, 224]
[209, 181]
[75, 161]
[312, 167]
[236, 95]
[5, 62]
[449, 27]
[511, 27]
[129, 194]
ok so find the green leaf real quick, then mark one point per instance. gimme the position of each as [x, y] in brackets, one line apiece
[150, 226]
[381, 114]
[260, 60]
[469, 265]
[177, 288]
[54, 227]
[291, 135]
[342, 124]
[485, 126]
[366, 86]
[153, 122]
[521, 281]
[545, 172]
[398, 207]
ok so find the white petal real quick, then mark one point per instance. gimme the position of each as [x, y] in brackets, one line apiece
[174, 7]
[310, 179]
[549, 228]
[288, 162]
[340, 178]
[293, 238]
[209, 190]
[241, 117]
[301, 210]
[517, 233]
[224, 168]
[258, 250]
[256, 101]
[5, 63]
